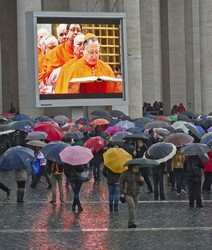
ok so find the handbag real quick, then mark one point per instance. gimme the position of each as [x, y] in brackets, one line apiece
[84, 176]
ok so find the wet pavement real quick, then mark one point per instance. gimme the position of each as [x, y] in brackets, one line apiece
[37, 224]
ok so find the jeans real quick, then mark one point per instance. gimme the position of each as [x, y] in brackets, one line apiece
[57, 178]
[132, 203]
[96, 172]
[76, 186]
[180, 179]
[114, 193]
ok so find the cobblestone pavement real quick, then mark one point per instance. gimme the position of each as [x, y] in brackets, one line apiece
[161, 225]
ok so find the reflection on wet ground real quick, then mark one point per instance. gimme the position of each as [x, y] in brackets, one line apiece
[161, 225]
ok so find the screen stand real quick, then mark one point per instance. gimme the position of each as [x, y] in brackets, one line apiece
[77, 112]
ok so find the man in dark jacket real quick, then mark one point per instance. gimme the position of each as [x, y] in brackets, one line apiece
[193, 166]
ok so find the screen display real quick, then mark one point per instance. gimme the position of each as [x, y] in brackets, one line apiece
[79, 58]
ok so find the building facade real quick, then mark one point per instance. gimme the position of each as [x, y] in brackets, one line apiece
[169, 47]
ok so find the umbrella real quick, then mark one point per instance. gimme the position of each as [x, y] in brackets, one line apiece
[43, 118]
[161, 131]
[99, 122]
[37, 135]
[60, 119]
[23, 125]
[95, 143]
[173, 118]
[76, 135]
[119, 136]
[135, 130]
[136, 137]
[158, 124]
[190, 114]
[150, 116]
[8, 115]
[200, 129]
[193, 130]
[142, 121]
[3, 120]
[116, 113]
[142, 162]
[51, 150]
[36, 143]
[115, 159]
[20, 117]
[210, 144]
[54, 133]
[5, 129]
[125, 118]
[207, 123]
[180, 125]
[195, 149]
[16, 158]
[161, 151]
[179, 139]
[114, 129]
[126, 124]
[83, 121]
[210, 129]
[183, 118]
[76, 155]
[206, 138]
[101, 113]
[162, 118]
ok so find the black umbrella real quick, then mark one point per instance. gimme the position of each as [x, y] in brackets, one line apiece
[76, 135]
[135, 130]
[5, 129]
[195, 149]
[207, 123]
[43, 118]
[158, 124]
[193, 130]
[190, 114]
[119, 136]
[161, 151]
[101, 113]
[142, 162]
[51, 150]
[136, 137]
[16, 158]
[36, 135]
[116, 113]
[183, 118]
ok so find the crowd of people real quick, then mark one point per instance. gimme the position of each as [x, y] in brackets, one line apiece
[183, 171]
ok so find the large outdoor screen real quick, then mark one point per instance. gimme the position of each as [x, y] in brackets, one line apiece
[76, 59]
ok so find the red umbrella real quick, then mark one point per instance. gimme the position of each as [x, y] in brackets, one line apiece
[95, 143]
[8, 115]
[179, 139]
[53, 131]
[162, 118]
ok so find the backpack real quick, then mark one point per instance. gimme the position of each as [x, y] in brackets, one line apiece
[36, 169]
[193, 170]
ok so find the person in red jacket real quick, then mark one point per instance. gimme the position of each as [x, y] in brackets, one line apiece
[206, 187]
[181, 108]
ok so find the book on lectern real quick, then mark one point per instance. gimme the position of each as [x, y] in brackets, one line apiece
[95, 79]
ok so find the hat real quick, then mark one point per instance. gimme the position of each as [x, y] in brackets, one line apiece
[89, 36]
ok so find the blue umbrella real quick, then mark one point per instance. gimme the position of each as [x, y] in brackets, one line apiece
[206, 139]
[200, 129]
[135, 130]
[16, 158]
[195, 149]
[23, 125]
[20, 117]
[126, 124]
[51, 150]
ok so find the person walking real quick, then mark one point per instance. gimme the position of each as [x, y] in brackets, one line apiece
[56, 177]
[158, 180]
[72, 173]
[193, 166]
[5, 189]
[113, 188]
[20, 178]
[130, 182]
[206, 187]
[178, 167]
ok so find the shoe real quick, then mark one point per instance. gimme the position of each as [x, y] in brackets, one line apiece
[149, 192]
[8, 193]
[183, 191]
[199, 206]
[74, 206]
[178, 194]
[52, 201]
[116, 209]
[132, 226]
[80, 209]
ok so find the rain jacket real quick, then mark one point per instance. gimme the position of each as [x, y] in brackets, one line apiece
[71, 172]
[193, 166]
[178, 160]
[130, 183]
[208, 165]
[112, 178]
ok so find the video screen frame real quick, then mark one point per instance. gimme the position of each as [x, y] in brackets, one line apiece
[64, 100]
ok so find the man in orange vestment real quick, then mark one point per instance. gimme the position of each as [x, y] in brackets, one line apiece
[62, 53]
[62, 34]
[91, 65]
[40, 34]
[64, 76]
